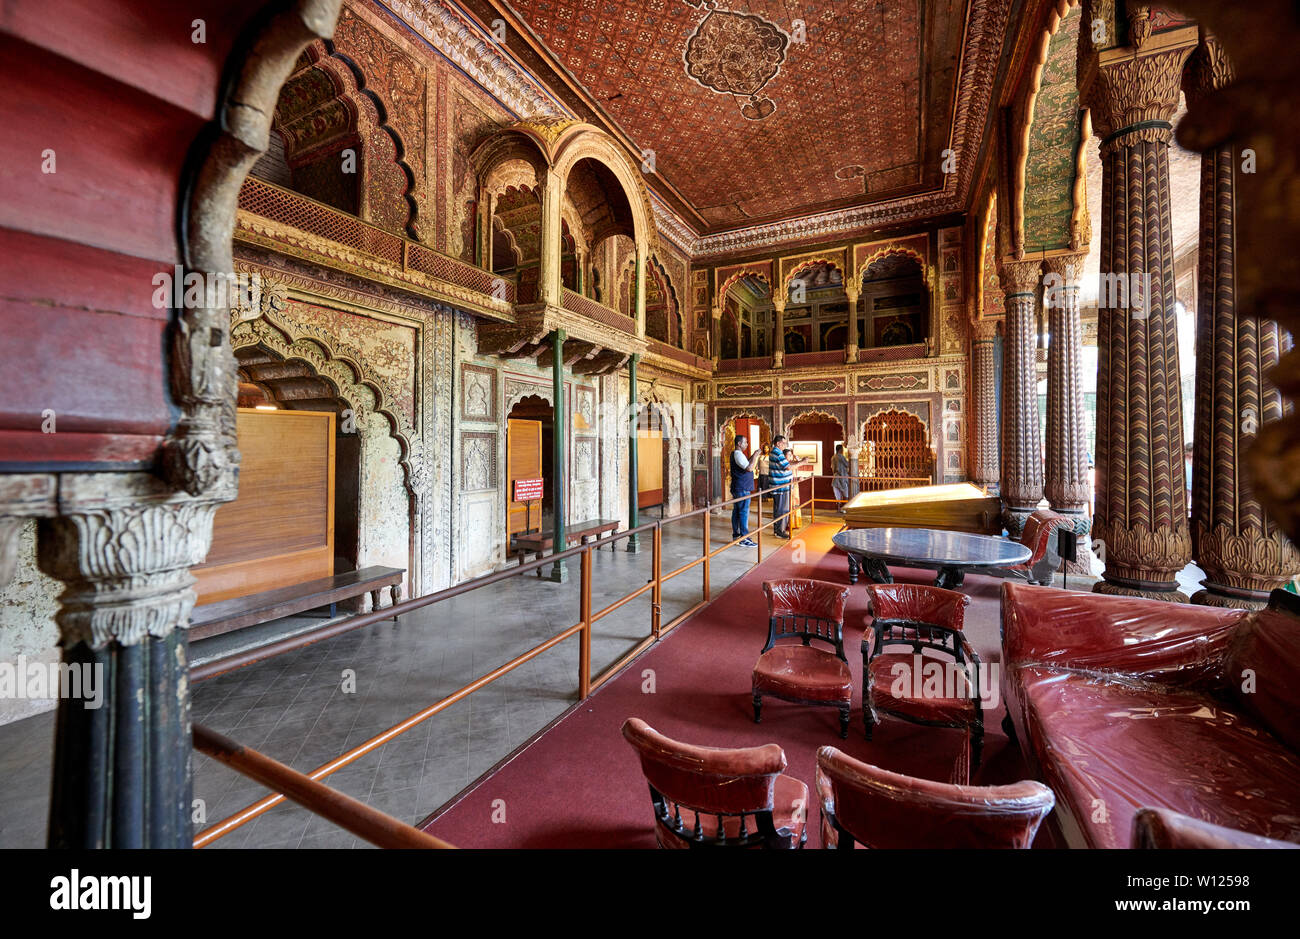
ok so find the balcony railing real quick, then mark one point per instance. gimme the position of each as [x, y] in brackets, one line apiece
[575, 302]
[751, 363]
[266, 200]
[680, 355]
[797, 359]
[892, 353]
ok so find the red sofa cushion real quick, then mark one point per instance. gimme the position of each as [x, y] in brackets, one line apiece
[883, 681]
[1108, 747]
[802, 673]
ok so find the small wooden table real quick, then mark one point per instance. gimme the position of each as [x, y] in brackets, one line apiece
[951, 552]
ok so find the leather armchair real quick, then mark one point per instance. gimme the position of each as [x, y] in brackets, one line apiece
[807, 610]
[705, 797]
[867, 805]
[915, 630]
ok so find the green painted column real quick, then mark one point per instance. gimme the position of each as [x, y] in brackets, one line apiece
[559, 573]
[632, 544]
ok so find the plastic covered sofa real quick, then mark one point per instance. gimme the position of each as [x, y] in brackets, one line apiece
[1122, 704]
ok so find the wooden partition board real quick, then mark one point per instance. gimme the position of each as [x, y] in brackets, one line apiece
[280, 530]
[649, 468]
[523, 461]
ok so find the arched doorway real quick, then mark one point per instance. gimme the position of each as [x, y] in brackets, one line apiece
[660, 441]
[268, 381]
[816, 434]
[530, 454]
[895, 452]
[749, 428]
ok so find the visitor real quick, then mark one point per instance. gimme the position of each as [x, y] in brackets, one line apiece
[782, 470]
[742, 484]
[840, 476]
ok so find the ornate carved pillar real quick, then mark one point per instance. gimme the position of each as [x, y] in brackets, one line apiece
[633, 433]
[715, 334]
[984, 390]
[642, 258]
[851, 352]
[548, 275]
[1068, 488]
[1022, 452]
[778, 333]
[560, 450]
[1141, 504]
[1242, 551]
[123, 546]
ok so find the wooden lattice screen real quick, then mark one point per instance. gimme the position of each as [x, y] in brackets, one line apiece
[895, 452]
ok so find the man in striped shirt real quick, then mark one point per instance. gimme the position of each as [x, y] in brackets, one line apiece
[782, 472]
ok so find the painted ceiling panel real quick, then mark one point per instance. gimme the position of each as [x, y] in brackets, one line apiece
[753, 117]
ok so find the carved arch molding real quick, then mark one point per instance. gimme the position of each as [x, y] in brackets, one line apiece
[356, 383]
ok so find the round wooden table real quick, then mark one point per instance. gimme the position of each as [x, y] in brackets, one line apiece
[952, 553]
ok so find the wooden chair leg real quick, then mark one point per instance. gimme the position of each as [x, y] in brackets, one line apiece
[844, 721]
[758, 708]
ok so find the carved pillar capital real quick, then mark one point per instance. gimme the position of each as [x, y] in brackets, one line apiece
[1208, 70]
[1067, 267]
[123, 545]
[1020, 277]
[1134, 96]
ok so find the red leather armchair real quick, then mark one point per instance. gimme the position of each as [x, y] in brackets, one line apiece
[705, 797]
[803, 674]
[1039, 537]
[864, 804]
[916, 632]
[1123, 704]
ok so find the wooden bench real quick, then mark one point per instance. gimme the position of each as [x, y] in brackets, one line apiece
[535, 542]
[213, 619]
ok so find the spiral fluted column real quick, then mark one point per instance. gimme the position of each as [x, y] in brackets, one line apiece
[1141, 504]
[1022, 451]
[1068, 488]
[984, 388]
[1242, 551]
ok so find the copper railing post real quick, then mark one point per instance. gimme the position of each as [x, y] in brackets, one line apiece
[656, 566]
[707, 529]
[812, 512]
[584, 638]
[758, 528]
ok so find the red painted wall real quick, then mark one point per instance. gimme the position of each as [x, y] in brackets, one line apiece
[119, 92]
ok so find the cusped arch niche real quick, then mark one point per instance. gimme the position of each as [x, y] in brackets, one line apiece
[357, 385]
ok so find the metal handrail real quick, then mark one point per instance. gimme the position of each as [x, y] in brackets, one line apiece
[365, 821]
[583, 628]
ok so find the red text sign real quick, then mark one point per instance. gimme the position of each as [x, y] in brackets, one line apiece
[528, 490]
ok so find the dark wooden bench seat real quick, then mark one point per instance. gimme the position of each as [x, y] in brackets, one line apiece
[536, 542]
[213, 619]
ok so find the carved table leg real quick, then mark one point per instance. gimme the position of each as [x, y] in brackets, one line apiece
[950, 578]
[877, 570]
[854, 569]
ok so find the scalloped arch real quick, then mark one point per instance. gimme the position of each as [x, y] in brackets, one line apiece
[344, 369]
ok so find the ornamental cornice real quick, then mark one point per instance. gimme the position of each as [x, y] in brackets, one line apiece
[476, 52]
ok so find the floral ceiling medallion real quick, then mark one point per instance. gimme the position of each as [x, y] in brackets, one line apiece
[736, 54]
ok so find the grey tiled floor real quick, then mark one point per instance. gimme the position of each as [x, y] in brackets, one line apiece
[295, 707]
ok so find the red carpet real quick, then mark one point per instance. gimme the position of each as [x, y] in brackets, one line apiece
[579, 785]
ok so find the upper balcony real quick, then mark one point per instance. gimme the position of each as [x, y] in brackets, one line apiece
[293, 224]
